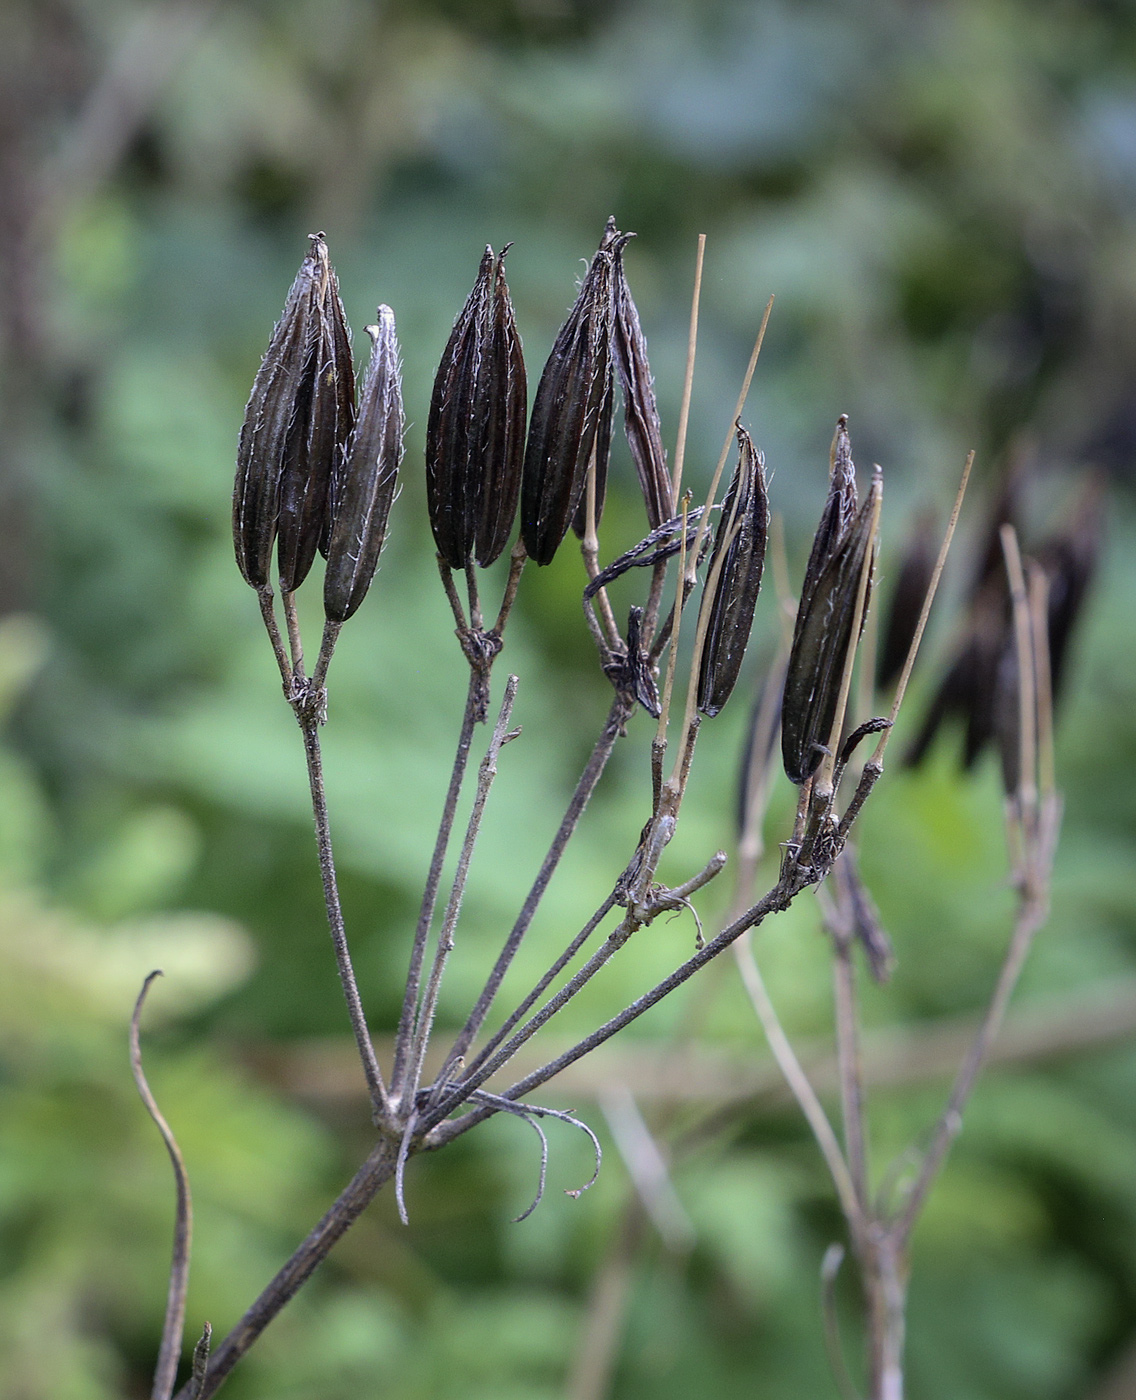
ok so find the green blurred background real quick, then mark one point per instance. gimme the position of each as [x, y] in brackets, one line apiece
[943, 198]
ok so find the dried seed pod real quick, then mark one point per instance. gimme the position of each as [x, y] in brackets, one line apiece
[910, 590]
[365, 483]
[475, 433]
[640, 411]
[664, 542]
[821, 640]
[602, 451]
[324, 418]
[567, 410]
[276, 403]
[839, 508]
[740, 544]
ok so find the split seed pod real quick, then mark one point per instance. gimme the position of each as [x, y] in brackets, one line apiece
[364, 486]
[275, 405]
[568, 409]
[825, 619]
[740, 545]
[475, 434]
[640, 411]
[323, 422]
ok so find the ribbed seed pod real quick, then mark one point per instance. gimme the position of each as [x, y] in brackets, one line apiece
[740, 545]
[640, 411]
[603, 459]
[475, 434]
[320, 430]
[366, 480]
[821, 639]
[568, 407]
[276, 403]
[839, 508]
[915, 570]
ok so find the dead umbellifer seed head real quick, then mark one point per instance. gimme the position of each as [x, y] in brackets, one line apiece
[740, 545]
[276, 404]
[325, 413]
[476, 429]
[366, 480]
[823, 633]
[568, 409]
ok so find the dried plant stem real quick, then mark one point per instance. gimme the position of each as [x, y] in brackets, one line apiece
[169, 1353]
[517, 561]
[798, 1082]
[590, 549]
[374, 1173]
[309, 724]
[884, 1269]
[292, 620]
[264, 597]
[593, 771]
[850, 1068]
[688, 377]
[327, 647]
[433, 880]
[486, 775]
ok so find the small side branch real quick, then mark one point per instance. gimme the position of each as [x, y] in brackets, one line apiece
[165, 1373]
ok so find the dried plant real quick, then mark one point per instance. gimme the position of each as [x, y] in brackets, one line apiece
[315, 470]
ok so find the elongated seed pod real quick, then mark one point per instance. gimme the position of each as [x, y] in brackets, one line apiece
[567, 410]
[740, 544]
[475, 434]
[366, 481]
[602, 449]
[839, 508]
[325, 415]
[276, 403]
[821, 639]
[640, 411]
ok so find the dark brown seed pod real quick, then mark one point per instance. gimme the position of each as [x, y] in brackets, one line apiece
[915, 570]
[567, 410]
[365, 484]
[839, 508]
[640, 411]
[275, 404]
[603, 460]
[740, 545]
[821, 641]
[320, 430]
[475, 434]
[1069, 559]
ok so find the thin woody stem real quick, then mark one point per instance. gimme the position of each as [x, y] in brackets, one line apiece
[517, 561]
[798, 1081]
[309, 725]
[433, 880]
[445, 946]
[374, 1173]
[593, 771]
[327, 647]
[292, 619]
[849, 1063]
[264, 597]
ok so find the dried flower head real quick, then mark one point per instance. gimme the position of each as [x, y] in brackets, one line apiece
[569, 408]
[364, 486]
[475, 434]
[740, 546]
[270, 417]
[826, 615]
[325, 413]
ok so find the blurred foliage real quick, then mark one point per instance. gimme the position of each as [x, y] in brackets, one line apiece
[943, 198]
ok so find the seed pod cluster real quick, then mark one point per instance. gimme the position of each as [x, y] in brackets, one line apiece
[844, 545]
[475, 434]
[740, 547]
[308, 475]
[571, 400]
[363, 489]
[980, 686]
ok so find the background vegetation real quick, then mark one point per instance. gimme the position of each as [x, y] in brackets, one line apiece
[943, 198]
